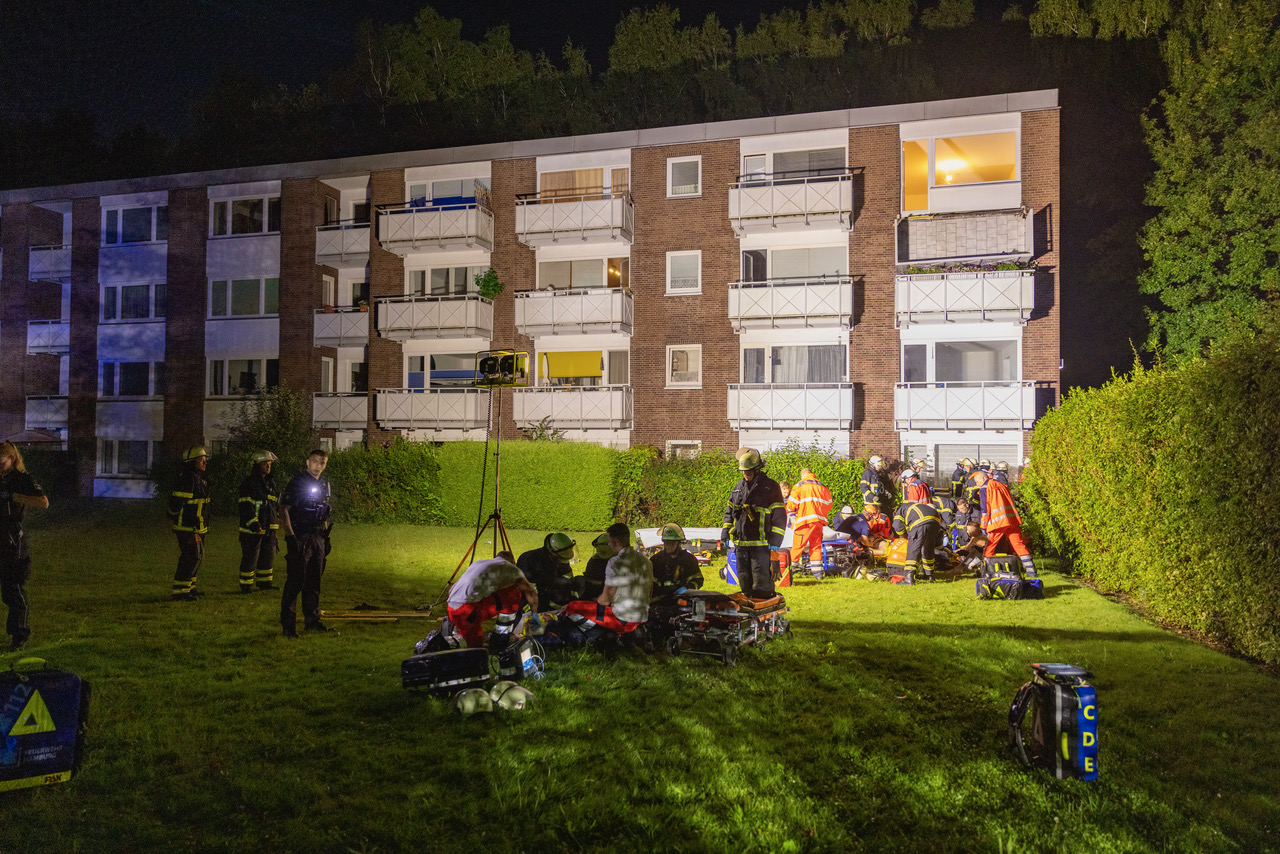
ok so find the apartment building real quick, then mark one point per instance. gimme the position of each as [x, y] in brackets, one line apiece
[879, 279]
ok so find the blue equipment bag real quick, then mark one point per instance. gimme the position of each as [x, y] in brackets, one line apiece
[42, 721]
[1063, 733]
[731, 571]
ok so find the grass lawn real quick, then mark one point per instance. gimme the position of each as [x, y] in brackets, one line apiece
[880, 726]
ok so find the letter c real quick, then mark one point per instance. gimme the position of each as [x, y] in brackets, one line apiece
[1090, 713]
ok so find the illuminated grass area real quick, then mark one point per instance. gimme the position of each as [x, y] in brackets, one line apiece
[880, 726]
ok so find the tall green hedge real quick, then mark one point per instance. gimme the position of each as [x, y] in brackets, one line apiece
[399, 483]
[1162, 485]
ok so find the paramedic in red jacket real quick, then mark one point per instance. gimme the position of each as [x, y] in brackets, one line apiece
[1001, 521]
[810, 502]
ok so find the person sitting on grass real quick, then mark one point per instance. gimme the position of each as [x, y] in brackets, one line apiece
[623, 605]
[488, 589]
[593, 575]
[549, 570]
[674, 568]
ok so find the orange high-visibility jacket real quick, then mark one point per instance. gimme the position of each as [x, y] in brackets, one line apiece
[811, 502]
[1001, 515]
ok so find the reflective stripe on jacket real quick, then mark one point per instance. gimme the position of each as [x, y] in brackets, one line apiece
[187, 503]
[755, 513]
[872, 489]
[1000, 515]
[810, 501]
[259, 505]
[913, 515]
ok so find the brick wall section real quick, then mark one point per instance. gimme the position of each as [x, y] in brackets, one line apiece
[386, 279]
[82, 381]
[22, 227]
[184, 325]
[1041, 165]
[515, 264]
[669, 225]
[874, 349]
[301, 210]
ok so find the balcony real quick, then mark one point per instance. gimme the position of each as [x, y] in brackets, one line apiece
[47, 412]
[403, 229]
[48, 336]
[432, 408]
[606, 407]
[545, 220]
[791, 406]
[50, 264]
[344, 327]
[982, 295]
[340, 411]
[997, 405]
[792, 303]
[343, 244]
[570, 312]
[410, 318]
[763, 204]
[1005, 235]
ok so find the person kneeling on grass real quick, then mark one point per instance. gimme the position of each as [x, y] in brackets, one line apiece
[488, 589]
[623, 605]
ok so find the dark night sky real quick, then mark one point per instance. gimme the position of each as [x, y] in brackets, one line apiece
[131, 61]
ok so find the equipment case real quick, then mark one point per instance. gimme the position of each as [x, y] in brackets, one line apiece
[1061, 735]
[42, 721]
[448, 672]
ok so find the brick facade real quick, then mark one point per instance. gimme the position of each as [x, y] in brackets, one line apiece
[386, 279]
[515, 264]
[185, 323]
[82, 377]
[21, 227]
[1041, 352]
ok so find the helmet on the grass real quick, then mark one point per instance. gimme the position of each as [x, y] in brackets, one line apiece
[510, 697]
[672, 531]
[473, 700]
[561, 546]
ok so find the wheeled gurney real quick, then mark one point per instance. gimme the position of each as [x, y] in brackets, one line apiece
[717, 624]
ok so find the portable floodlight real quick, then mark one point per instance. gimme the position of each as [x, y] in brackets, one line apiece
[495, 368]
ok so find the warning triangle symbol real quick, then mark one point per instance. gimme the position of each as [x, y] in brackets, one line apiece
[33, 718]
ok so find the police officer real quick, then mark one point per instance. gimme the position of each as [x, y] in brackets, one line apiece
[674, 567]
[187, 505]
[549, 570]
[259, 510]
[304, 518]
[921, 524]
[756, 520]
[17, 492]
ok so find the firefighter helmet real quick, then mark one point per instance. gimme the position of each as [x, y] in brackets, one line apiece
[748, 459]
[985, 465]
[874, 462]
[195, 452]
[967, 463]
[672, 531]
[1026, 461]
[908, 474]
[561, 546]
[510, 697]
[473, 700]
[1002, 466]
[264, 457]
[602, 546]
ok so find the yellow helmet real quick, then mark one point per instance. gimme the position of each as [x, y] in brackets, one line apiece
[672, 531]
[748, 458]
[195, 452]
[561, 546]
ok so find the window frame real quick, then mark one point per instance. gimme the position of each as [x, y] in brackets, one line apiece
[154, 452]
[605, 270]
[156, 380]
[931, 361]
[229, 298]
[930, 145]
[157, 298]
[668, 370]
[271, 214]
[118, 226]
[676, 292]
[671, 444]
[671, 162]
[768, 348]
[264, 371]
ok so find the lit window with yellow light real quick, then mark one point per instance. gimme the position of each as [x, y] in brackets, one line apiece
[915, 175]
[980, 159]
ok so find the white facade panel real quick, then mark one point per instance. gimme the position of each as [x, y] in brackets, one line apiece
[130, 419]
[833, 138]
[618, 158]
[138, 341]
[242, 337]
[961, 126]
[243, 256]
[240, 191]
[448, 172]
[975, 197]
[133, 262]
[135, 200]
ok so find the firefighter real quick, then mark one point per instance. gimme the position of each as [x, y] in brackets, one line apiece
[756, 520]
[18, 491]
[187, 505]
[549, 570]
[810, 502]
[593, 575]
[971, 488]
[1001, 522]
[921, 524]
[915, 489]
[873, 491]
[304, 518]
[674, 567]
[259, 510]
[1001, 473]
[959, 476]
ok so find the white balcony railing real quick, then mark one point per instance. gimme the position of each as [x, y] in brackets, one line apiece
[343, 327]
[791, 406]
[791, 303]
[542, 220]
[605, 407]
[404, 228]
[768, 203]
[50, 264]
[1004, 405]
[408, 318]
[986, 295]
[342, 241]
[570, 312]
[48, 336]
[432, 408]
[340, 411]
[47, 412]
[972, 237]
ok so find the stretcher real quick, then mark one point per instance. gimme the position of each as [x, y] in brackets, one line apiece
[719, 624]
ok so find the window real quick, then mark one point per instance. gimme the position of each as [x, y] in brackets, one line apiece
[953, 161]
[960, 362]
[683, 450]
[359, 212]
[452, 191]
[788, 364]
[684, 176]
[331, 215]
[359, 293]
[359, 377]
[417, 373]
[133, 302]
[684, 366]
[128, 457]
[245, 216]
[444, 281]
[452, 370]
[586, 273]
[813, 163]
[132, 379]
[585, 368]
[808, 264]
[326, 375]
[328, 290]
[571, 184]
[244, 297]
[684, 272]
[239, 377]
[135, 225]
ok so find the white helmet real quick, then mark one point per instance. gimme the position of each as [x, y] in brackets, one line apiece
[985, 465]
[1026, 461]
[472, 700]
[874, 462]
[908, 474]
[1002, 466]
[511, 697]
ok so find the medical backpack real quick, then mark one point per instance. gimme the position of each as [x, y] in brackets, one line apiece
[1009, 585]
[1053, 722]
[42, 723]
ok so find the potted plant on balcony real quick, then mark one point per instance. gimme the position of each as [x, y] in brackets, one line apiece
[363, 305]
[488, 285]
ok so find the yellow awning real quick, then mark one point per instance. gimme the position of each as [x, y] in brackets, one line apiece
[583, 363]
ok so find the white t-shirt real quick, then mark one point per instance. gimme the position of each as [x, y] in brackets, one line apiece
[483, 578]
[632, 574]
